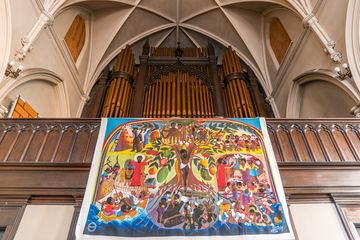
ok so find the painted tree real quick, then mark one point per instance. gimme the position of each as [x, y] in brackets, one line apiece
[167, 155]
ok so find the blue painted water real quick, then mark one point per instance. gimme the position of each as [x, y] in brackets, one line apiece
[142, 226]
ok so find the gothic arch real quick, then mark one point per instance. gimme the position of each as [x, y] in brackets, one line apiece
[295, 93]
[352, 39]
[49, 77]
[85, 16]
[280, 40]
[5, 36]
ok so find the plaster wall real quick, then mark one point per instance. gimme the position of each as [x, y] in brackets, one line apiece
[317, 221]
[45, 222]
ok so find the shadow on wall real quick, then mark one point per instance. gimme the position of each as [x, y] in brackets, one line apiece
[42, 95]
[320, 99]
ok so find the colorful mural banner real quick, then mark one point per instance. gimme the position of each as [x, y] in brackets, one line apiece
[189, 178]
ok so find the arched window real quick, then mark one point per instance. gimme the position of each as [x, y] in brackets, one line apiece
[279, 39]
[75, 37]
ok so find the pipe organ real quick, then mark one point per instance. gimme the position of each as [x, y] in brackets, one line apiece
[238, 100]
[119, 95]
[176, 82]
[178, 94]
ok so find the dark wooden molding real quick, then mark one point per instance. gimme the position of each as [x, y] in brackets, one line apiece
[139, 93]
[165, 60]
[41, 157]
[347, 201]
[163, 69]
[77, 208]
[218, 96]
[11, 211]
[234, 75]
[47, 161]
[122, 74]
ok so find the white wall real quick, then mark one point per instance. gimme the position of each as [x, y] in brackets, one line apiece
[321, 99]
[52, 222]
[43, 96]
[317, 222]
[45, 222]
[111, 25]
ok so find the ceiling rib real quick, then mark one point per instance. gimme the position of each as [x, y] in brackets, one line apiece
[165, 37]
[198, 14]
[191, 38]
[156, 13]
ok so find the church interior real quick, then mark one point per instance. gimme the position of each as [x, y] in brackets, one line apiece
[67, 63]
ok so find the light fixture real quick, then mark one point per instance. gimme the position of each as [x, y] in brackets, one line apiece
[344, 72]
[13, 70]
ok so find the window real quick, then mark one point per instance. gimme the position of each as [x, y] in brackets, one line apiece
[279, 39]
[75, 37]
[350, 216]
[2, 231]
[10, 217]
[357, 226]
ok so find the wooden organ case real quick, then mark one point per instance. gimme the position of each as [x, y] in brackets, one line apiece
[177, 82]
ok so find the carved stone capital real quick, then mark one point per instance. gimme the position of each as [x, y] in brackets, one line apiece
[336, 56]
[310, 20]
[24, 41]
[356, 110]
[270, 99]
[47, 17]
[85, 98]
[3, 111]
[20, 55]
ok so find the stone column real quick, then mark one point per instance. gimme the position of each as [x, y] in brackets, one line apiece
[3, 111]
[356, 111]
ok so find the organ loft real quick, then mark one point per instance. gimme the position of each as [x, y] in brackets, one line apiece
[177, 82]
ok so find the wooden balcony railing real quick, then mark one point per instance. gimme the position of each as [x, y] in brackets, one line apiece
[48, 140]
[47, 161]
[315, 140]
[73, 140]
[51, 157]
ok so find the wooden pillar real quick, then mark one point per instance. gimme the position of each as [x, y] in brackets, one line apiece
[259, 101]
[77, 208]
[93, 108]
[139, 94]
[217, 88]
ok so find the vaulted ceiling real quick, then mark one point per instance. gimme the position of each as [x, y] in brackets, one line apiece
[192, 22]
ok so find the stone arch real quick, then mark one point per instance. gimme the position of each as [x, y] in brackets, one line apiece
[5, 37]
[79, 17]
[280, 40]
[37, 85]
[328, 96]
[352, 39]
[75, 37]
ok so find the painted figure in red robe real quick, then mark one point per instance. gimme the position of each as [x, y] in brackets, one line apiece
[221, 176]
[136, 178]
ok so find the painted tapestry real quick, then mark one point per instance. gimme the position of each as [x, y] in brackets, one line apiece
[154, 178]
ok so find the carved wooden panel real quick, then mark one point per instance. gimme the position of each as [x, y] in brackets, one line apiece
[321, 140]
[354, 138]
[300, 144]
[73, 140]
[60, 141]
[286, 144]
[316, 148]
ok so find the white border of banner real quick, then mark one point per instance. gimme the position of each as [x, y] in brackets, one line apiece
[95, 169]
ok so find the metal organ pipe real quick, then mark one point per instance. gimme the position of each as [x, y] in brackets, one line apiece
[120, 93]
[238, 100]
